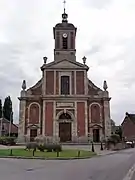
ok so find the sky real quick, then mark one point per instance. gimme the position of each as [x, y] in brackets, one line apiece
[105, 35]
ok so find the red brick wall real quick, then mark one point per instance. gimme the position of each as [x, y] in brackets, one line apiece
[79, 82]
[57, 82]
[128, 129]
[49, 82]
[73, 87]
[34, 114]
[95, 113]
[49, 119]
[81, 118]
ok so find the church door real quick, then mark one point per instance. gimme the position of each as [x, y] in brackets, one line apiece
[96, 136]
[33, 134]
[65, 131]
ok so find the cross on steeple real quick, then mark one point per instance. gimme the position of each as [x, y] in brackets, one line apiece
[64, 2]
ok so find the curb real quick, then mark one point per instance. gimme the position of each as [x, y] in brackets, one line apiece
[44, 158]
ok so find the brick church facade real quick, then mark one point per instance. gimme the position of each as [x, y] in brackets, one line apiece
[64, 103]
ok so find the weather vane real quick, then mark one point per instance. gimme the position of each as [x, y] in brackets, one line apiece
[64, 2]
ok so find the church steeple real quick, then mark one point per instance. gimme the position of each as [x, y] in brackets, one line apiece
[64, 15]
[64, 35]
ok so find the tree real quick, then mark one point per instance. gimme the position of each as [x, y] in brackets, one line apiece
[7, 109]
[0, 108]
[119, 131]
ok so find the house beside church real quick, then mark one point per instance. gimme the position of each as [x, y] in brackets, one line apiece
[65, 103]
[128, 127]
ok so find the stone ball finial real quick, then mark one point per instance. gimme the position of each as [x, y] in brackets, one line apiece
[84, 60]
[24, 85]
[45, 59]
[105, 87]
[126, 114]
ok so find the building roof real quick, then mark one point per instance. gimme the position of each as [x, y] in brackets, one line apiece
[130, 117]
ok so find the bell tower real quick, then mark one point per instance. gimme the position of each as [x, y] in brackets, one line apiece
[64, 36]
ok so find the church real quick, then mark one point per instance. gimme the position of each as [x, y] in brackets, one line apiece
[65, 103]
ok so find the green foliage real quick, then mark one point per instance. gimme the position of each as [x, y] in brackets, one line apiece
[114, 138]
[7, 140]
[119, 132]
[50, 147]
[0, 108]
[7, 109]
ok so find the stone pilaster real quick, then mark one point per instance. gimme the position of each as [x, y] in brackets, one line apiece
[44, 83]
[21, 128]
[86, 119]
[54, 119]
[43, 124]
[107, 118]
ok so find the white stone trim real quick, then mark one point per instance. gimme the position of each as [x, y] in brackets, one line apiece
[22, 109]
[39, 111]
[44, 83]
[54, 82]
[100, 107]
[43, 124]
[54, 119]
[86, 119]
[75, 82]
[66, 73]
[75, 118]
[85, 83]
[61, 112]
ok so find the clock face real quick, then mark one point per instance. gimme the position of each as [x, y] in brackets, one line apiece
[64, 35]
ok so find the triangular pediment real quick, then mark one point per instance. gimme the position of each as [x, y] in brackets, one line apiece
[65, 64]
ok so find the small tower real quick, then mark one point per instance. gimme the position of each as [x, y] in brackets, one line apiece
[64, 36]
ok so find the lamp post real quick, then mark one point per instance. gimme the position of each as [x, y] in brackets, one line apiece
[10, 123]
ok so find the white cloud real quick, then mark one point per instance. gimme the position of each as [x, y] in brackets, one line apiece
[106, 35]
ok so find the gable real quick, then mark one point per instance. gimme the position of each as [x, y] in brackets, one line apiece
[65, 64]
[36, 89]
[92, 88]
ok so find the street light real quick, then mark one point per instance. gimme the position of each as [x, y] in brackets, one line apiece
[11, 115]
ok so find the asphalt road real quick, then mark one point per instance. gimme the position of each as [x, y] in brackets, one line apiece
[119, 166]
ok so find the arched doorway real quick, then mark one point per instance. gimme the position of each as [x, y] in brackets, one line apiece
[65, 128]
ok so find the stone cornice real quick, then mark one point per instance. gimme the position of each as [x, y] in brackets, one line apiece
[72, 97]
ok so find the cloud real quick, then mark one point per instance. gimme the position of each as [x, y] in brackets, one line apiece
[105, 34]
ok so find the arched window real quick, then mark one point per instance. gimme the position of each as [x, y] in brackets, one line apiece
[65, 43]
[95, 113]
[57, 40]
[65, 85]
[72, 40]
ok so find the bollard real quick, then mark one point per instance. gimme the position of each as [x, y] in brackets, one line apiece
[33, 152]
[58, 154]
[11, 153]
[93, 150]
[78, 154]
[101, 146]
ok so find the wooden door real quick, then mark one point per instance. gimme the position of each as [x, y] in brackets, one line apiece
[65, 132]
[33, 134]
[96, 135]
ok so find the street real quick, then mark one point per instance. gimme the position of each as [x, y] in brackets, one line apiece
[118, 166]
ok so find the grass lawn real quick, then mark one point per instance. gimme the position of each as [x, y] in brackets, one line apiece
[64, 154]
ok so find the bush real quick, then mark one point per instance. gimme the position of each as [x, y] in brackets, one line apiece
[31, 145]
[8, 141]
[114, 139]
[50, 147]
